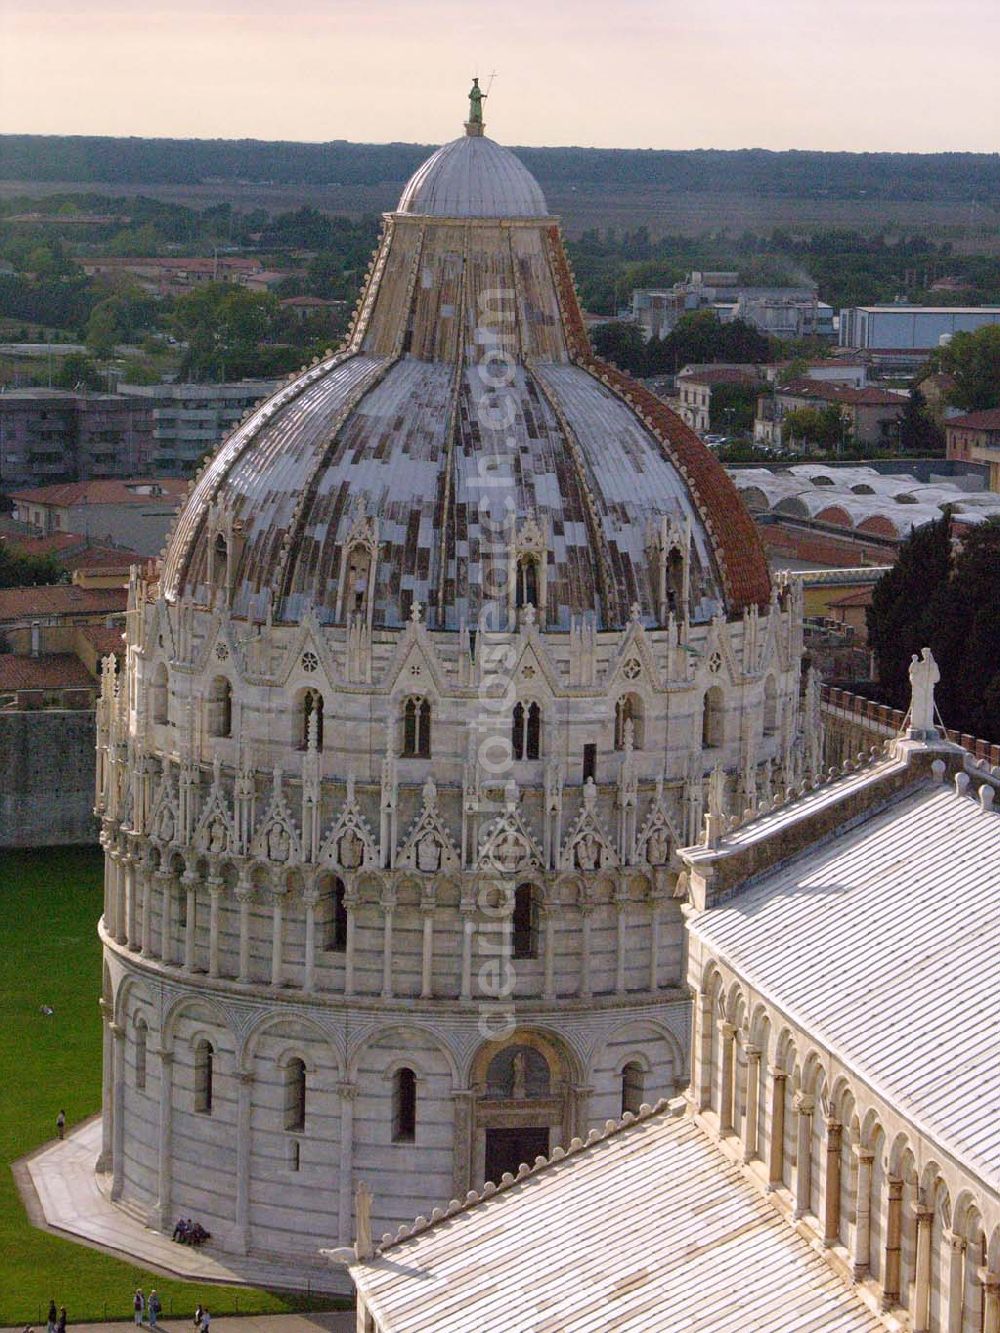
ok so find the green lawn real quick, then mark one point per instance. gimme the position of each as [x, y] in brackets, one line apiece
[50, 902]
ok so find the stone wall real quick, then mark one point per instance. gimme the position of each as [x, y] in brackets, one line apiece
[47, 778]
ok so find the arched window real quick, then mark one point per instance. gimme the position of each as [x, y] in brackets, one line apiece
[312, 707]
[713, 718]
[295, 1095]
[220, 707]
[770, 707]
[141, 1033]
[632, 1087]
[221, 562]
[675, 581]
[158, 692]
[358, 577]
[526, 731]
[336, 921]
[404, 1106]
[525, 921]
[526, 590]
[628, 709]
[204, 1057]
[417, 729]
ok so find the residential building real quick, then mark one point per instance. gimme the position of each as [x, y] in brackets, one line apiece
[869, 416]
[175, 275]
[694, 386]
[975, 437]
[312, 307]
[189, 421]
[135, 513]
[61, 435]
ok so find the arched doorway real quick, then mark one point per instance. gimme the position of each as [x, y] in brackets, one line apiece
[523, 1100]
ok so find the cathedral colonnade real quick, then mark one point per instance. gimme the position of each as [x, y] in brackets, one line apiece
[895, 1214]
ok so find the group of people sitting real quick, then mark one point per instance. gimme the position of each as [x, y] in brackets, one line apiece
[187, 1232]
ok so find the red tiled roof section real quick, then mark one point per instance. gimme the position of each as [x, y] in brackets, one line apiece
[720, 375]
[138, 490]
[60, 599]
[986, 420]
[842, 393]
[50, 671]
[105, 639]
[739, 549]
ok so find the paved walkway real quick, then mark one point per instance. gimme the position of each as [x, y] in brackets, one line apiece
[335, 1321]
[63, 1193]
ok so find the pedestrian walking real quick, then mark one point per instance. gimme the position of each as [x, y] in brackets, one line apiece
[61, 1322]
[154, 1307]
[206, 1320]
[61, 1124]
[51, 1318]
[138, 1306]
[199, 1314]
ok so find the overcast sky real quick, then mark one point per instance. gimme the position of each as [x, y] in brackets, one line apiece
[850, 74]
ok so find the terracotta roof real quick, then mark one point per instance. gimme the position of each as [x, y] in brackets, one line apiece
[106, 639]
[50, 671]
[721, 375]
[114, 491]
[842, 393]
[60, 599]
[986, 420]
[54, 544]
[73, 551]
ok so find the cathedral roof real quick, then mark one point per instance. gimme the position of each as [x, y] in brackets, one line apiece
[467, 402]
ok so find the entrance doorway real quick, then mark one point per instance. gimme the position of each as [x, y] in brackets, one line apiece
[506, 1149]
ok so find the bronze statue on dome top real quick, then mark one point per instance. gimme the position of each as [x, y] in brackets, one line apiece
[476, 99]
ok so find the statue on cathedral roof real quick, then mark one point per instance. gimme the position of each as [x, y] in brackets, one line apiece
[476, 99]
[924, 675]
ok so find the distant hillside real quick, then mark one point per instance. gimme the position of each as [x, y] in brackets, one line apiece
[956, 177]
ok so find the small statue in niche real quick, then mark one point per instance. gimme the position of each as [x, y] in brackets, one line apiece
[351, 850]
[657, 847]
[278, 843]
[428, 853]
[518, 1066]
[217, 837]
[588, 852]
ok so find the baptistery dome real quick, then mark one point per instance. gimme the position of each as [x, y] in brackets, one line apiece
[457, 640]
[468, 353]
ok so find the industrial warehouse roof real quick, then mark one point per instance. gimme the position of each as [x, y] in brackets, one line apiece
[650, 1227]
[883, 943]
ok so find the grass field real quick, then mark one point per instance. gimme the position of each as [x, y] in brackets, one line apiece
[50, 902]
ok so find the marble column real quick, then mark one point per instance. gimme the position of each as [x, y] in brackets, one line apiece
[750, 1133]
[309, 970]
[893, 1241]
[164, 1166]
[191, 929]
[132, 905]
[121, 922]
[243, 897]
[244, 1146]
[118, 1144]
[831, 1187]
[586, 915]
[922, 1283]
[427, 954]
[468, 929]
[991, 1303]
[214, 892]
[776, 1146]
[166, 917]
[350, 944]
[277, 938]
[863, 1213]
[727, 1039]
[803, 1106]
[621, 940]
[147, 913]
[387, 911]
[701, 1051]
[954, 1283]
[549, 954]
[465, 1101]
[654, 945]
[348, 1093]
[107, 1090]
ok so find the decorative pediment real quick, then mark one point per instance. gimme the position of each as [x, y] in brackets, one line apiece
[587, 845]
[657, 838]
[276, 837]
[349, 843]
[307, 657]
[635, 665]
[215, 832]
[429, 846]
[415, 668]
[164, 816]
[508, 846]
